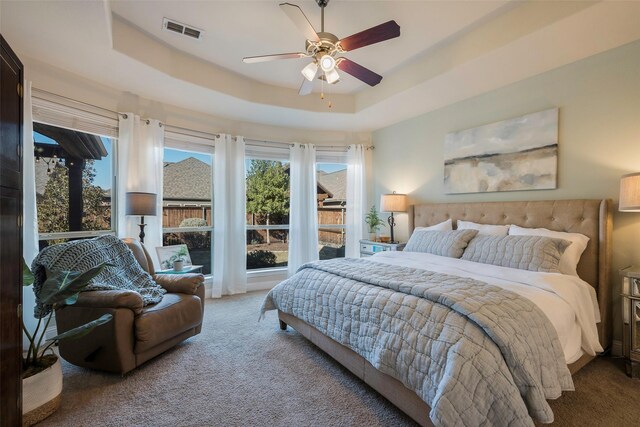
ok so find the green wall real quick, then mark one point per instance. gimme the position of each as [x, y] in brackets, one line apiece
[599, 140]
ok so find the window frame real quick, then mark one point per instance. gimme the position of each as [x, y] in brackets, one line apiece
[276, 154]
[182, 142]
[114, 192]
[341, 159]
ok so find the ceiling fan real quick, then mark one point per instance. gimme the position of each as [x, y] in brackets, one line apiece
[324, 48]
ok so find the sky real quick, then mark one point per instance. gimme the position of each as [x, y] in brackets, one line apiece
[104, 166]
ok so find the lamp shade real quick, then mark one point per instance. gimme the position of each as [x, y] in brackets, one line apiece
[630, 193]
[141, 204]
[393, 203]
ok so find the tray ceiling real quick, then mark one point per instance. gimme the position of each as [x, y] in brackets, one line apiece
[234, 29]
[448, 51]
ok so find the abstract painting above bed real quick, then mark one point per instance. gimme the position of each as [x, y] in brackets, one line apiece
[515, 154]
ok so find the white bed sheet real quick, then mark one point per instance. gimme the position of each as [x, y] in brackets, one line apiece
[568, 301]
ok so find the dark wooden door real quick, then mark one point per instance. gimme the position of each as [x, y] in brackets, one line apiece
[10, 155]
[10, 237]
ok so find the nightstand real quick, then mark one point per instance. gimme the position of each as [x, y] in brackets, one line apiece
[368, 247]
[631, 319]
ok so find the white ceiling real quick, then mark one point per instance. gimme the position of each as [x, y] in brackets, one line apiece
[448, 51]
[235, 29]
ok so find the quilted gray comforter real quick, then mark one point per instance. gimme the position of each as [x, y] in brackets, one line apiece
[475, 353]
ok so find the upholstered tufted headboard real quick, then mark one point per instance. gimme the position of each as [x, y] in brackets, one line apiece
[589, 217]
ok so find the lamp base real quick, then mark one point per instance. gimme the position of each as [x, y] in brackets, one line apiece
[141, 225]
[392, 222]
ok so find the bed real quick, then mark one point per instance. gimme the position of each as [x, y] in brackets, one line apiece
[591, 218]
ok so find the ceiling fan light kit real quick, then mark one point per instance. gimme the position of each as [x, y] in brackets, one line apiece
[327, 63]
[332, 76]
[310, 71]
[323, 48]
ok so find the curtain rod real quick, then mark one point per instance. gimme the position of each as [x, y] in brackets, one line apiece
[254, 142]
[193, 132]
[113, 113]
[35, 90]
[259, 143]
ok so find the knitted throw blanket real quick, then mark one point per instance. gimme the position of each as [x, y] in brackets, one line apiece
[82, 255]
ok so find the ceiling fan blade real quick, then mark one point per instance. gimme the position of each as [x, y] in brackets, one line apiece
[265, 58]
[358, 71]
[300, 20]
[377, 34]
[306, 87]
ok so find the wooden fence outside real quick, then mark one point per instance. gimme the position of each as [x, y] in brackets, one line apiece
[172, 216]
[331, 215]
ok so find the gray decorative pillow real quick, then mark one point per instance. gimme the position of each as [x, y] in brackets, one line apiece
[444, 243]
[534, 253]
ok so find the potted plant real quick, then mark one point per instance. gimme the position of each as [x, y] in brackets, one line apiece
[374, 222]
[180, 256]
[41, 369]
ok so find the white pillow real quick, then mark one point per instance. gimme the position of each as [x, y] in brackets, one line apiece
[484, 229]
[443, 226]
[570, 257]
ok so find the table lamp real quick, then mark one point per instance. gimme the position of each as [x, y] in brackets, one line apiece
[630, 193]
[141, 204]
[393, 203]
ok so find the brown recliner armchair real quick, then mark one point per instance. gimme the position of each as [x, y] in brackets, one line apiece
[136, 333]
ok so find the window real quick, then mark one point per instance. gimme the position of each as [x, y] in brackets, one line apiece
[267, 188]
[187, 217]
[74, 183]
[332, 205]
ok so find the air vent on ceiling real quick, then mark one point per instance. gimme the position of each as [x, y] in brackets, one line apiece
[180, 28]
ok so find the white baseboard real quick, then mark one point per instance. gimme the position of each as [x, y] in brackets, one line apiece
[258, 280]
[616, 348]
[264, 280]
[262, 286]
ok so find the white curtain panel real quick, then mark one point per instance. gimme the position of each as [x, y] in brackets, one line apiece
[125, 227]
[303, 211]
[356, 199]
[140, 167]
[30, 246]
[229, 218]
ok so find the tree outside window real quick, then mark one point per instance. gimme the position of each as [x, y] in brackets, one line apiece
[53, 206]
[74, 178]
[267, 192]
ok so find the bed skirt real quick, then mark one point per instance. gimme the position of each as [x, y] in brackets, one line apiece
[393, 390]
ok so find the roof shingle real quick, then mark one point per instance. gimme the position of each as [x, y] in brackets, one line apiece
[335, 182]
[188, 179]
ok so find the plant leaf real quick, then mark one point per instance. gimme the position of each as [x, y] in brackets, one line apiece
[27, 276]
[83, 330]
[64, 284]
[72, 299]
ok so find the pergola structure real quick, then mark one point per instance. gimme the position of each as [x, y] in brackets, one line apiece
[75, 148]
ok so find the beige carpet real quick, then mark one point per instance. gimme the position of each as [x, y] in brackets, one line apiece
[241, 372]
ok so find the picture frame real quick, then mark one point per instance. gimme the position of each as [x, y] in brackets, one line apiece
[167, 255]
